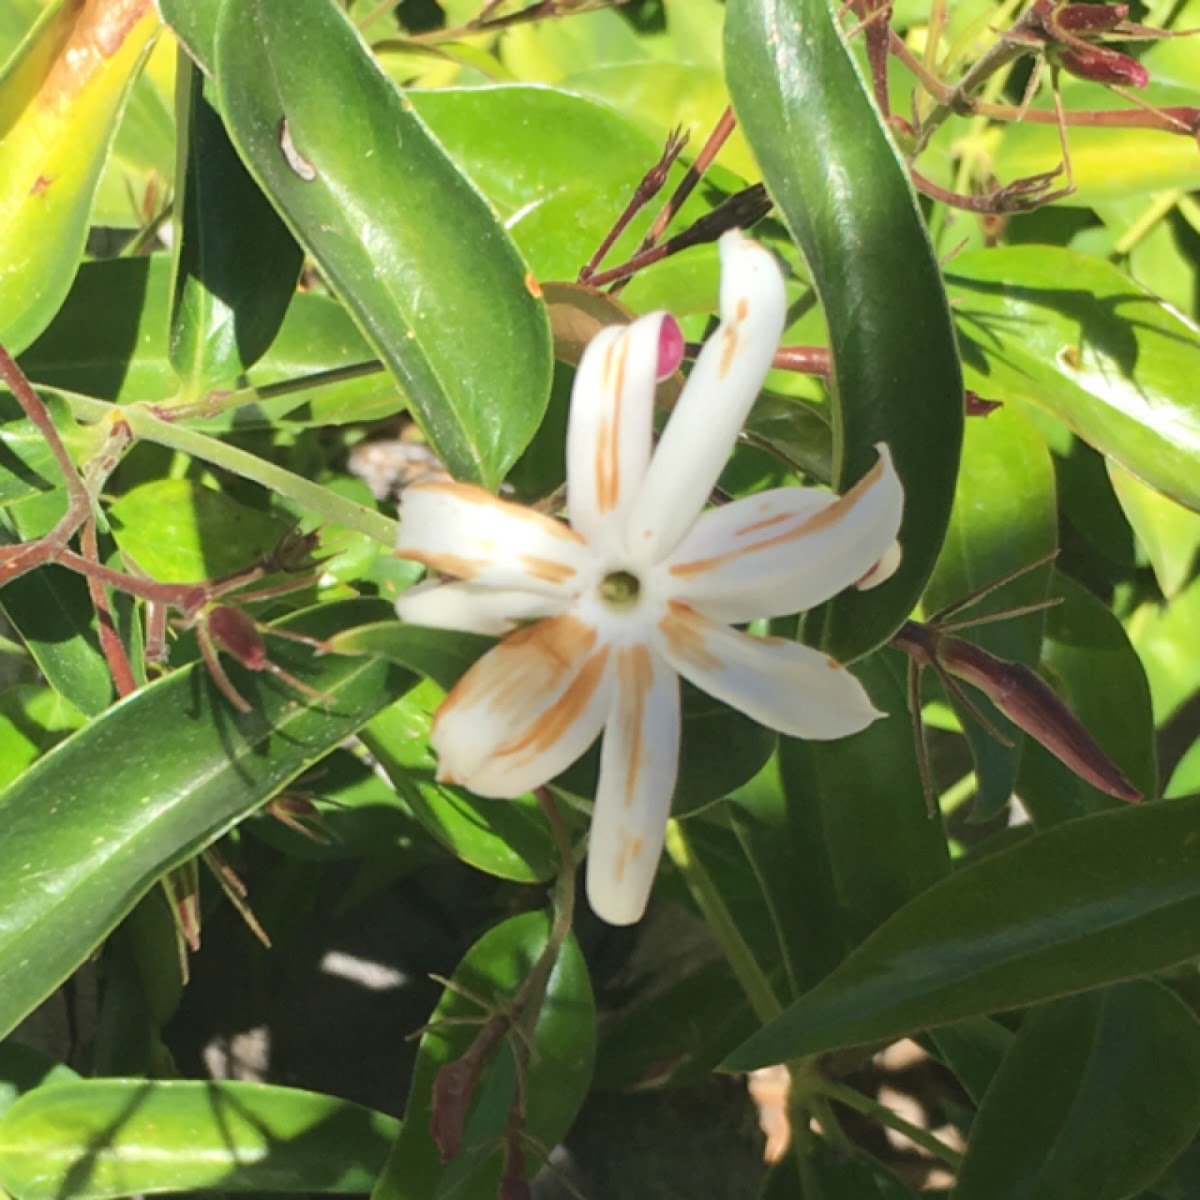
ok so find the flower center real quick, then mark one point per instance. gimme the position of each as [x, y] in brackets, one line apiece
[620, 590]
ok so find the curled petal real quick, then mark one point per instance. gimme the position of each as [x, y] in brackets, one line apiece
[526, 710]
[884, 569]
[787, 550]
[608, 435]
[787, 687]
[464, 531]
[719, 392]
[468, 607]
[638, 765]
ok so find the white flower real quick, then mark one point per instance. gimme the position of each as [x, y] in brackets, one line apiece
[643, 586]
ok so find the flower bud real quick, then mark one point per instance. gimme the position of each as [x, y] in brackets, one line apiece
[1102, 66]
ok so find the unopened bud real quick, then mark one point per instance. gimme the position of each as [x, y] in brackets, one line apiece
[236, 633]
[453, 1089]
[670, 347]
[1102, 66]
[1088, 18]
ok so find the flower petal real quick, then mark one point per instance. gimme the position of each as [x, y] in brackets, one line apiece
[722, 386]
[468, 607]
[787, 550]
[609, 431]
[639, 762]
[779, 683]
[464, 531]
[526, 710]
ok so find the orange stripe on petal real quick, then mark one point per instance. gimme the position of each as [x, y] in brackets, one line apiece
[635, 673]
[812, 524]
[561, 715]
[547, 568]
[684, 630]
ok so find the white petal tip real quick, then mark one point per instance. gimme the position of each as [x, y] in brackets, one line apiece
[614, 903]
[883, 570]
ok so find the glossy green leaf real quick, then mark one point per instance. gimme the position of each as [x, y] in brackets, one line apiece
[414, 251]
[1005, 517]
[61, 96]
[561, 1035]
[859, 805]
[22, 1068]
[27, 467]
[1096, 1096]
[180, 531]
[896, 378]
[32, 719]
[973, 1049]
[1106, 164]
[194, 23]
[110, 340]
[507, 838]
[558, 168]
[1169, 533]
[1167, 640]
[1090, 662]
[1069, 909]
[97, 1138]
[236, 264]
[82, 845]
[1072, 335]
[52, 611]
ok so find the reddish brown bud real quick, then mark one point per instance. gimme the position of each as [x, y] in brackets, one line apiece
[1088, 18]
[236, 633]
[1102, 66]
[1032, 705]
[453, 1089]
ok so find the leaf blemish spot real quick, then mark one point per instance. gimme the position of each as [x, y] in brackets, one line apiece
[295, 160]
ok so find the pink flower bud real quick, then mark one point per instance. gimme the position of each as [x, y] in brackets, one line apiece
[670, 347]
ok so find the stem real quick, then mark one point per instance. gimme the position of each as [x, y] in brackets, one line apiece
[884, 1115]
[745, 967]
[302, 492]
[217, 403]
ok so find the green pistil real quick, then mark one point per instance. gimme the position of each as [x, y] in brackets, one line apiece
[620, 590]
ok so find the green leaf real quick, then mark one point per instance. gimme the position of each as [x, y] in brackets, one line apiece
[1088, 658]
[414, 251]
[236, 264]
[110, 340]
[861, 833]
[1106, 163]
[561, 1044]
[22, 1068]
[112, 1137]
[27, 466]
[1095, 1098]
[1069, 909]
[180, 531]
[1070, 334]
[52, 611]
[1169, 533]
[61, 97]
[81, 845]
[896, 379]
[1005, 517]
[32, 719]
[506, 838]
[833, 1174]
